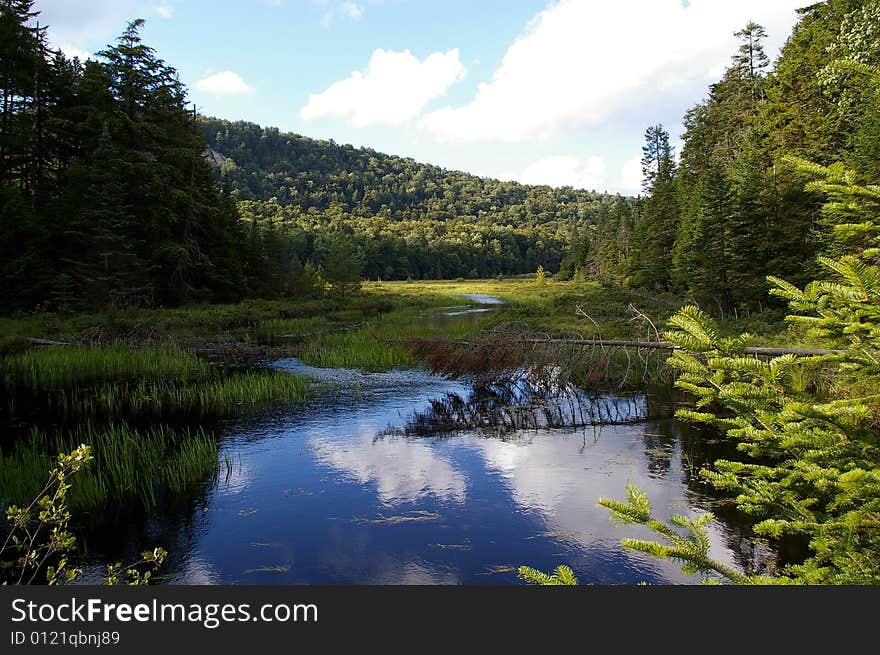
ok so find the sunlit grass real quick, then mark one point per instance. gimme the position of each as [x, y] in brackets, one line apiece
[356, 349]
[379, 346]
[65, 367]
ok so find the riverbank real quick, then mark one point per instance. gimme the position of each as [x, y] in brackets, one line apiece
[257, 328]
[196, 411]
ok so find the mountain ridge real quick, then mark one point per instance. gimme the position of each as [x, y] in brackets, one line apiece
[314, 174]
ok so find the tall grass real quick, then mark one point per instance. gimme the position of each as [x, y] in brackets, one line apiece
[130, 465]
[356, 349]
[117, 382]
[64, 367]
[381, 346]
[158, 399]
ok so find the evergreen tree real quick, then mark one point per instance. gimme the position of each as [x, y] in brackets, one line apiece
[751, 61]
[660, 212]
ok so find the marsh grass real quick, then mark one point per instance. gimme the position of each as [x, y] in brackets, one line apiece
[358, 349]
[130, 465]
[380, 346]
[119, 382]
[166, 399]
[66, 367]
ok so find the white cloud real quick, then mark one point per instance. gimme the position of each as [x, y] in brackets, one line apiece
[345, 9]
[563, 170]
[165, 11]
[226, 83]
[402, 470]
[631, 175]
[71, 51]
[393, 89]
[580, 61]
[80, 28]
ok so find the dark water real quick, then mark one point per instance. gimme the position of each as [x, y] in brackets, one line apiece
[393, 481]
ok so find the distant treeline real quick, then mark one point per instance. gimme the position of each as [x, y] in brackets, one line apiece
[405, 219]
[731, 211]
[107, 196]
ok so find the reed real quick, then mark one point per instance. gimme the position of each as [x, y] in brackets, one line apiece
[167, 398]
[380, 345]
[65, 367]
[356, 349]
[130, 465]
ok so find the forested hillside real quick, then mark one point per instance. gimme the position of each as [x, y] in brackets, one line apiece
[730, 210]
[107, 195]
[311, 174]
[400, 218]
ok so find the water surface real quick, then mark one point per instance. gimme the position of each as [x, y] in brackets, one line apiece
[389, 480]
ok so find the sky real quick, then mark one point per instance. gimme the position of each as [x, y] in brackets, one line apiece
[540, 92]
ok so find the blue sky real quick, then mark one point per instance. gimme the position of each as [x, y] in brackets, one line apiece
[542, 92]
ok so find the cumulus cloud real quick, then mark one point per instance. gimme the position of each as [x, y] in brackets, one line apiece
[393, 89]
[345, 10]
[80, 28]
[580, 61]
[165, 11]
[563, 170]
[226, 83]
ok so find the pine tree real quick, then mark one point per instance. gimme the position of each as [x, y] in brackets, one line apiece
[721, 250]
[751, 61]
[660, 212]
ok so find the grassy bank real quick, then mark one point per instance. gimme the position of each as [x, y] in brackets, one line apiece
[275, 326]
[147, 413]
[118, 382]
[577, 307]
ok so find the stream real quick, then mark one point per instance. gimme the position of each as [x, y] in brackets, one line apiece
[405, 477]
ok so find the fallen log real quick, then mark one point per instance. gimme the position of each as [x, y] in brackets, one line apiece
[47, 342]
[661, 345]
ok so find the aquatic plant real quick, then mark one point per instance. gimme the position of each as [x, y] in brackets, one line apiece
[218, 397]
[130, 465]
[356, 349]
[65, 367]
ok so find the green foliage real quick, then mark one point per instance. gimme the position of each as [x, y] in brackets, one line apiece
[39, 540]
[40, 543]
[66, 367]
[540, 276]
[657, 224]
[132, 466]
[119, 381]
[685, 538]
[107, 199]
[403, 218]
[561, 576]
[807, 426]
[734, 210]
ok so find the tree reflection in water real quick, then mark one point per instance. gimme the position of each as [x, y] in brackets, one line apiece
[523, 402]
